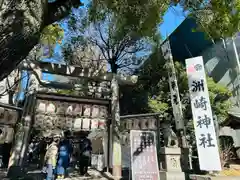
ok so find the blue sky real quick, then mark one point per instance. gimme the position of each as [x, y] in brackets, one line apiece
[171, 20]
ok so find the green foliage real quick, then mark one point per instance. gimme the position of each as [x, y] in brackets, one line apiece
[122, 48]
[218, 18]
[51, 35]
[153, 80]
[139, 16]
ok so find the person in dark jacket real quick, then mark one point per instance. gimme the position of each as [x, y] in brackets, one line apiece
[85, 152]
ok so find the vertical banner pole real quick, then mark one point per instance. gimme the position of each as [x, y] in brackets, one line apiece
[175, 96]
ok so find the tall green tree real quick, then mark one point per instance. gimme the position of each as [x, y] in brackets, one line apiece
[153, 84]
[123, 51]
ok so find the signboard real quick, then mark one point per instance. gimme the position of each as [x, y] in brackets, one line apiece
[207, 146]
[144, 155]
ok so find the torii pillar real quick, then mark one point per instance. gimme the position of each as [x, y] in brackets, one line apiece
[115, 111]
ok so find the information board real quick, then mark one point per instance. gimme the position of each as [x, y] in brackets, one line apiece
[144, 155]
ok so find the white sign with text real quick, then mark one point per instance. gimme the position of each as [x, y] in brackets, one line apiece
[208, 152]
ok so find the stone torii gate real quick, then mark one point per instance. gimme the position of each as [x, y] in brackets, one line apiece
[36, 85]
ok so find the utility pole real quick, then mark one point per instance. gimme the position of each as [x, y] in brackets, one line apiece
[175, 96]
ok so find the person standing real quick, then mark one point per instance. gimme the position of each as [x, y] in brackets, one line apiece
[85, 152]
[65, 152]
[51, 157]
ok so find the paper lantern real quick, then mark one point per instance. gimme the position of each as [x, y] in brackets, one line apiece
[86, 110]
[103, 112]
[10, 134]
[95, 111]
[60, 107]
[60, 121]
[69, 110]
[94, 124]
[77, 125]
[86, 123]
[48, 122]
[144, 124]
[38, 123]
[136, 124]
[41, 106]
[51, 108]
[6, 115]
[77, 111]
[152, 124]
[69, 123]
[129, 124]
[2, 110]
[12, 117]
[102, 124]
[3, 134]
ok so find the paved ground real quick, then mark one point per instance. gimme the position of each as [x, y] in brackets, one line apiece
[73, 175]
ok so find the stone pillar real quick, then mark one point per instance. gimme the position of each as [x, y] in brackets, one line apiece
[116, 145]
[20, 143]
[171, 168]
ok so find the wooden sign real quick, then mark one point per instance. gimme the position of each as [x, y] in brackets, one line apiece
[144, 155]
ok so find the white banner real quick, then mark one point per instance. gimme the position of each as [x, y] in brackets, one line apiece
[207, 146]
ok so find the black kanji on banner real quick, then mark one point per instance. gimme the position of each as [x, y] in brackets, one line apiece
[197, 86]
[206, 140]
[203, 121]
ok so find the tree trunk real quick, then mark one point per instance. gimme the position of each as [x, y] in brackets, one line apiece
[21, 23]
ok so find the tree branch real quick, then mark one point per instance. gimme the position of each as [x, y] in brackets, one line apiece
[21, 23]
[60, 9]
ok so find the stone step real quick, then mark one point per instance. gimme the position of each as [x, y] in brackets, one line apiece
[235, 166]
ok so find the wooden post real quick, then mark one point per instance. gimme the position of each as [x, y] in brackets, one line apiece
[115, 110]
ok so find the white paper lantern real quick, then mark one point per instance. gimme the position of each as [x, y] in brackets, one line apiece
[60, 121]
[2, 110]
[152, 124]
[95, 111]
[69, 110]
[3, 134]
[102, 124]
[69, 123]
[103, 112]
[77, 124]
[10, 134]
[94, 123]
[38, 121]
[41, 106]
[86, 123]
[51, 108]
[144, 124]
[129, 124]
[86, 110]
[48, 122]
[136, 123]
[61, 107]
[77, 110]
